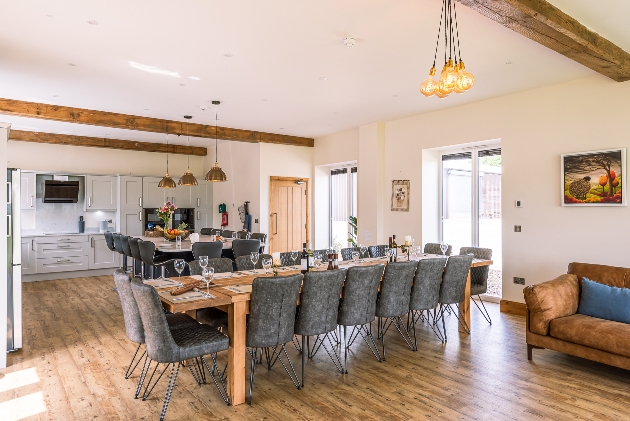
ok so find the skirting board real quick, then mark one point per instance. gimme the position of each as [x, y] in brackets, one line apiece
[512, 307]
[67, 275]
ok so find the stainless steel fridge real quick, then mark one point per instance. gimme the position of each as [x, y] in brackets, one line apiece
[14, 262]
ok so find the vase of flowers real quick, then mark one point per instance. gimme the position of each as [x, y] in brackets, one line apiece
[165, 212]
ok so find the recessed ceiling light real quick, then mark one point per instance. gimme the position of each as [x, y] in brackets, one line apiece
[334, 113]
[394, 96]
[92, 22]
[182, 84]
[323, 78]
[72, 64]
[281, 128]
[264, 100]
[508, 62]
[147, 109]
[349, 42]
[50, 16]
[55, 96]
[194, 78]
[227, 55]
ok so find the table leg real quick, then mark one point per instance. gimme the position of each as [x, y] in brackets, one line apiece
[464, 306]
[237, 313]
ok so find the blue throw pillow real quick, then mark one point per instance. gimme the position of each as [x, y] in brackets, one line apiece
[605, 302]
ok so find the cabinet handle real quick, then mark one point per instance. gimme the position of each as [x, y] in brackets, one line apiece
[64, 247]
[63, 260]
[198, 218]
[31, 201]
[140, 215]
[198, 201]
[140, 202]
[9, 193]
[92, 242]
[9, 226]
[90, 202]
[63, 239]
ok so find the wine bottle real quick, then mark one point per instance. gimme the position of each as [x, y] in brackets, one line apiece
[304, 259]
[310, 262]
[395, 247]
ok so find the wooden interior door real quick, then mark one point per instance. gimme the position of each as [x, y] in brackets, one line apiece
[289, 216]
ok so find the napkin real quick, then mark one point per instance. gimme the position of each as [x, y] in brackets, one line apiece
[194, 237]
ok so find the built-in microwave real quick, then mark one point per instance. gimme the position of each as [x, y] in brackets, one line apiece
[186, 215]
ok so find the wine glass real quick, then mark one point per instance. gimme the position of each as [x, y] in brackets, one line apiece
[317, 260]
[203, 261]
[254, 258]
[208, 275]
[294, 256]
[266, 262]
[248, 236]
[180, 264]
[234, 235]
[178, 242]
[444, 248]
[363, 251]
[355, 257]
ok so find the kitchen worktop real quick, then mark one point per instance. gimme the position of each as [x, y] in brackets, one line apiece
[42, 234]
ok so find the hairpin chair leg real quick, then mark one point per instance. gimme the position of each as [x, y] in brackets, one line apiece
[303, 358]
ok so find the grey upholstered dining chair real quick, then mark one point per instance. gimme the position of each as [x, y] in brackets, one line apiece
[318, 311]
[259, 236]
[220, 265]
[206, 231]
[453, 288]
[323, 253]
[245, 262]
[346, 254]
[226, 233]
[245, 247]
[378, 251]
[358, 306]
[212, 316]
[147, 253]
[393, 300]
[479, 277]
[286, 259]
[212, 249]
[174, 347]
[425, 294]
[242, 235]
[133, 322]
[434, 248]
[272, 321]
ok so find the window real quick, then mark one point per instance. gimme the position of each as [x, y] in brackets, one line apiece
[343, 204]
[471, 204]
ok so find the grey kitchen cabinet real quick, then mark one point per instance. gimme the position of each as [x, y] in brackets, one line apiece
[101, 193]
[100, 256]
[28, 189]
[130, 192]
[202, 195]
[29, 264]
[131, 222]
[203, 219]
[182, 196]
[152, 195]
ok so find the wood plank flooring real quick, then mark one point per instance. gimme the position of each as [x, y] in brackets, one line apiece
[75, 341]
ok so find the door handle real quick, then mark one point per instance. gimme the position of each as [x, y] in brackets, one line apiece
[140, 215]
[140, 200]
[198, 217]
[275, 213]
[198, 202]
[31, 201]
[10, 193]
[90, 202]
[9, 226]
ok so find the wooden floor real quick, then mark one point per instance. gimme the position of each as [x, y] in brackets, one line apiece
[75, 352]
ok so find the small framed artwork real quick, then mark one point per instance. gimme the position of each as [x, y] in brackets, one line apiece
[400, 195]
[594, 178]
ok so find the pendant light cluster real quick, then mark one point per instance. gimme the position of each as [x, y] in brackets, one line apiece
[188, 179]
[454, 76]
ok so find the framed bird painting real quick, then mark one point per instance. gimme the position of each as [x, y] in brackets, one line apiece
[594, 178]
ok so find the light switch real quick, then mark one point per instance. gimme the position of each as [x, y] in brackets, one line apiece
[517, 228]
[518, 203]
[368, 236]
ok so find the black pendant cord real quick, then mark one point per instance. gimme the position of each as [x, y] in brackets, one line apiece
[167, 153]
[459, 52]
[216, 137]
[437, 44]
[450, 26]
[445, 29]
[188, 145]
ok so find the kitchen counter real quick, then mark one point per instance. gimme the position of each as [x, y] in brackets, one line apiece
[41, 234]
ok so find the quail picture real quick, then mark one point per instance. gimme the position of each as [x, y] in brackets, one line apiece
[594, 178]
[400, 195]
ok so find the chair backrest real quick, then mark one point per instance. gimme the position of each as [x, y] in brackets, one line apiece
[393, 299]
[346, 254]
[157, 336]
[212, 249]
[272, 310]
[220, 265]
[227, 233]
[241, 235]
[360, 291]
[131, 314]
[147, 251]
[206, 231]
[434, 248]
[287, 260]
[245, 262]
[135, 248]
[117, 243]
[426, 284]
[259, 236]
[454, 279]
[109, 240]
[319, 302]
[124, 240]
[245, 247]
[378, 251]
[323, 253]
[478, 276]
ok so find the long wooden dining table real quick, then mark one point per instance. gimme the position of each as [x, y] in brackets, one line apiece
[235, 302]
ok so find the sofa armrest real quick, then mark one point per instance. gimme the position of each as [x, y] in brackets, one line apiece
[551, 300]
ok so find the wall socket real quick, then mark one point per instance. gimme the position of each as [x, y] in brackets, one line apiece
[520, 281]
[517, 228]
[255, 221]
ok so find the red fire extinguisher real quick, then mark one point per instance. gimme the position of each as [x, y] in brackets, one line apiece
[224, 219]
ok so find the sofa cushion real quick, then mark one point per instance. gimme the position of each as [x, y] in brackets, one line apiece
[603, 274]
[613, 337]
[604, 302]
[550, 300]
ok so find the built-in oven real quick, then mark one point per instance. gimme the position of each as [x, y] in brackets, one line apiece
[186, 215]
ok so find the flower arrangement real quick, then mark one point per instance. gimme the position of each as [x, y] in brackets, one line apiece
[165, 212]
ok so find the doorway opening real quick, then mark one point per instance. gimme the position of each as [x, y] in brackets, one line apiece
[343, 205]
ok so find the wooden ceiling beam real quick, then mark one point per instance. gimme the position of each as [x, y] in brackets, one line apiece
[544, 23]
[101, 142]
[146, 124]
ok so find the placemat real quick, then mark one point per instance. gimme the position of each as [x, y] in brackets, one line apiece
[162, 283]
[239, 289]
[187, 296]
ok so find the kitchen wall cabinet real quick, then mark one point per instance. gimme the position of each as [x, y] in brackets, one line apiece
[203, 219]
[152, 195]
[202, 195]
[28, 189]
[130, 192]
[131, 222]
[100, 256]
[29, 265]
[101, 193]
[183, 196]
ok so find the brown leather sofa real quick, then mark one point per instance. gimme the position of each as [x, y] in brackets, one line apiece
[552, 322]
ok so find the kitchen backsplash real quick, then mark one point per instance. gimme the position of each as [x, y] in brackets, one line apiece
[61, 217]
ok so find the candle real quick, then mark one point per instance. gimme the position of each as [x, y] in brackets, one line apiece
[276, 258]
[407, 240]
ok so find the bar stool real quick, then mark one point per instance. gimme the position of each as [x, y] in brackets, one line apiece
[147, 254]
[137, 258]
[124, 240]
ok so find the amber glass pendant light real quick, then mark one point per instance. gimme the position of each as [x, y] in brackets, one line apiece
[188, 179]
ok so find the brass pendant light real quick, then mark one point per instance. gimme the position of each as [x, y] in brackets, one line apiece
[167, 182]
[216, 173]
[187, 179]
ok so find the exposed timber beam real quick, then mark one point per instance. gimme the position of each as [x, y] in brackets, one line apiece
[547, 25]
[146, 124]
[101, 142]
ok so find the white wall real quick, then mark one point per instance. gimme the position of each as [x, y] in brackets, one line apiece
[84, 160]
[3, 245]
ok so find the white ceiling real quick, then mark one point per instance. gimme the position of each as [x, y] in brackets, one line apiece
[280, 49]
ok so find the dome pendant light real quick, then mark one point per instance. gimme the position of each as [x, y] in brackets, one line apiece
[216, 173]
[187, 179]
[167, 182]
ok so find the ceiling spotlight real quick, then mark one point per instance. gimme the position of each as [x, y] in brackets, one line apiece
[349, 42]
[72, 64]
[50, 16]
[55, 96]
[182, 84]
[265, 100]
[508, 62]
[227, 55]
[92, 22]
[194, 78]
[323, 78]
